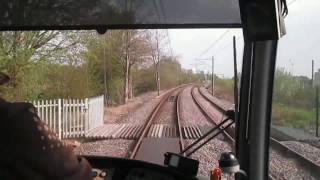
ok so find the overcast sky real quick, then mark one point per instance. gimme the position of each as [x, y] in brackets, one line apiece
[296, 49]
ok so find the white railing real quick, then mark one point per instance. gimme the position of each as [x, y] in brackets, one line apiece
[74, 117]
[96, 111]
[71, 118]
[50, 112]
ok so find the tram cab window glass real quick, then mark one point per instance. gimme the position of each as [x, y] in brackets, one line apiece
[119, 13]
[79, 79]
[295, 104]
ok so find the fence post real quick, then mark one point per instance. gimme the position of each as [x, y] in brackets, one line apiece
[87, 117]
[59, 118]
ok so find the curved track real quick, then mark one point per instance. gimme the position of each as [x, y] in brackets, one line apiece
[208, 114]
[155, 114]
[284, 150]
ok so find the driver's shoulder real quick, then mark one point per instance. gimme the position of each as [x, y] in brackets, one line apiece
[9, 110]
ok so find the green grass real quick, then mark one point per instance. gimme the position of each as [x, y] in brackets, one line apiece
[292, 107]
[290, 116]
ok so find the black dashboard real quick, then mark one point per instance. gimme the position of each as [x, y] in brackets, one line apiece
[111, 168]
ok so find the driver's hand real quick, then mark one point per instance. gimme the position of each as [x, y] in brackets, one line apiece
[29, 150]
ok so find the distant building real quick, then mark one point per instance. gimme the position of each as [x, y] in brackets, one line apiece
[303, 81]
[316, 80]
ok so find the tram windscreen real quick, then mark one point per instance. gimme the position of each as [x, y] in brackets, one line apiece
[113, 14]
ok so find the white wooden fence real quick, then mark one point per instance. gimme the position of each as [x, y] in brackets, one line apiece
[71, 118]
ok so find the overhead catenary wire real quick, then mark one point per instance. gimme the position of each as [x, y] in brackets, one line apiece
[226, 32]
[215, 42]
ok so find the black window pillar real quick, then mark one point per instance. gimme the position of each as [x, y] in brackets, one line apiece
[261, 29]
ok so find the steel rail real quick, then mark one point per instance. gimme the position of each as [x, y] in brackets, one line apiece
[304, 162]
[154, 114]
[221, 109]
[178, 111]
[209, 115]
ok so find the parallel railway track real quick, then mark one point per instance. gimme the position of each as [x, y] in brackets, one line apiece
[208, 114]
[284, 150]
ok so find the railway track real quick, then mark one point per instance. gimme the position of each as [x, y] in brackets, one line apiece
[181, 135]
[152, 118]
[208, 114]
[280, 148]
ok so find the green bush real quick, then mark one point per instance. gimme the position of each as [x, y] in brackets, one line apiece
[290, 116]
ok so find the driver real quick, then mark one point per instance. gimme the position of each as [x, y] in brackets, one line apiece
[29, 150]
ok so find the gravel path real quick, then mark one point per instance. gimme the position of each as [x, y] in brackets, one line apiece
[209, 155]
[305, 149]
[284, 168]
[140, 115]
[190, 113]
[114, 113]
[117, 148]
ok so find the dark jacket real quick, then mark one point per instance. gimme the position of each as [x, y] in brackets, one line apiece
[29, 150]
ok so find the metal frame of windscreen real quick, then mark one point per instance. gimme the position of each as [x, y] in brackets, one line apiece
[260, 23]
[115, 27]
[118, 14]
[255, 107]
[254, 118]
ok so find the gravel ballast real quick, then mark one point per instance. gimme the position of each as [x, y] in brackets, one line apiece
[310, 152]
[168, 112]
[116, 148]
[284, 168]
[209, 154]
[190, 113]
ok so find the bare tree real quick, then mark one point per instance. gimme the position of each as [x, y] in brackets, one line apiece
[134, 52]
[157, 44]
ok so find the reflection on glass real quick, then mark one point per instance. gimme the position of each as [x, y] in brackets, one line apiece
[118, 12]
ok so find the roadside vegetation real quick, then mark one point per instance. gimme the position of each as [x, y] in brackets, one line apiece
[69, 64]
[293, 99]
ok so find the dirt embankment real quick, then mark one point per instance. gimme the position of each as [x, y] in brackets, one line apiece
[221, 93]
[115, 113]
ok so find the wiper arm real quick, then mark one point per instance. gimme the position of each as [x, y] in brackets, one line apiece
[229, 121]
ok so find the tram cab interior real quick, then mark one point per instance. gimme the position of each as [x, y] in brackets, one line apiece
[262, 24]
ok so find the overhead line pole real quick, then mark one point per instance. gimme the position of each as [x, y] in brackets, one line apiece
[317, 111]
[212, 78]
[312, 73]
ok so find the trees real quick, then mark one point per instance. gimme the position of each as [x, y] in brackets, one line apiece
[19, 51]
[156, 43]
[76, 64]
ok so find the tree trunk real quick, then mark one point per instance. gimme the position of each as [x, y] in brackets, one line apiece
[158, 64]
[126, 84]
[158, 78]
[130, 95]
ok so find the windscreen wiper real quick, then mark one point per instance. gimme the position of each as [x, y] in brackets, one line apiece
[215, 131]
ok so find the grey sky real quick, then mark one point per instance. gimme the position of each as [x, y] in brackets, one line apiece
[295, 51]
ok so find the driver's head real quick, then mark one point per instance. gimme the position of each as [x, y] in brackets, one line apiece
[3, 78]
